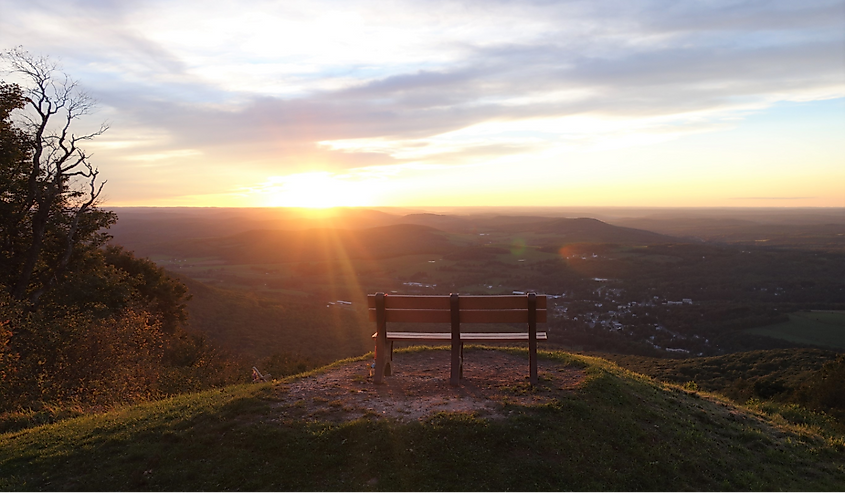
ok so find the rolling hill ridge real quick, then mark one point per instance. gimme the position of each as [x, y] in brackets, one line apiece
[322, 244]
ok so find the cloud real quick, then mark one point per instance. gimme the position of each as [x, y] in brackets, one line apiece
[489, 88]
[372, 84]
[94, 37]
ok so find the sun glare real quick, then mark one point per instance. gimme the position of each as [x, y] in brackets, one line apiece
[317, 190]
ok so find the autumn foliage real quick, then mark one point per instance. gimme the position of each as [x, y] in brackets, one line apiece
[81, 322]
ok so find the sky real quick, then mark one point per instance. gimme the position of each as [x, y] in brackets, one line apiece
[454, 103]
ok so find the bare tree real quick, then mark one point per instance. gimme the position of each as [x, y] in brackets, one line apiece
[53, 210]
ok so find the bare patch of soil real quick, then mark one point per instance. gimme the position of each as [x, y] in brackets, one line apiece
[419, 387]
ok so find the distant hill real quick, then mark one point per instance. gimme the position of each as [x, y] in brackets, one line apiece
[589, 230]
[443, 222]
[580, 230]
[140, 228]
[274, 246]
[476, 223]
[270, 235]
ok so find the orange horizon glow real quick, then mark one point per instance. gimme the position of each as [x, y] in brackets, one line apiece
[324, 191]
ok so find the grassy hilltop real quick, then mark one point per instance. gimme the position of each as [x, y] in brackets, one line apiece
[618, 431]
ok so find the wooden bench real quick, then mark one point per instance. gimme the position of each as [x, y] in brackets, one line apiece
[455, 310]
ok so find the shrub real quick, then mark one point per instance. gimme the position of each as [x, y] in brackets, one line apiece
[825, 390]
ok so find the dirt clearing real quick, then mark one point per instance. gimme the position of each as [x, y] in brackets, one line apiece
[419, 387]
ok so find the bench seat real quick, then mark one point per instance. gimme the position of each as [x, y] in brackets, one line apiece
[465, 336]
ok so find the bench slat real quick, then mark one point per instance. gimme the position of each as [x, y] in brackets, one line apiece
[467, 316]
[423, 302]
[420, 316]
[413, 302]
[499, 316]
[502, 302]
[465, 336]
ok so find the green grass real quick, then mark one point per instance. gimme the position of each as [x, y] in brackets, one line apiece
[824, 329]
[620, 431]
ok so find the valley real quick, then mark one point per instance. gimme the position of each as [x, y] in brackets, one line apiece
[613, 288]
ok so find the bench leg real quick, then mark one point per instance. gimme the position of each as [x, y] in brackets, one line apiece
[388, 367]
[382, 363]
[382, 358]
[532, 363]
[457, 366]
[461, 371]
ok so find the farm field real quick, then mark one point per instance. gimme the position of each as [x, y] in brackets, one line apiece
[814, 328]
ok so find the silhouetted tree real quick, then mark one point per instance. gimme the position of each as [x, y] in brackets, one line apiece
[80, 322]
[49, 186]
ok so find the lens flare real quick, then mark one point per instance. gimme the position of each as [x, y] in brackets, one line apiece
[566, 251]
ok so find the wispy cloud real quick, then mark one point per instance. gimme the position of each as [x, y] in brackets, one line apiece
[287, 86]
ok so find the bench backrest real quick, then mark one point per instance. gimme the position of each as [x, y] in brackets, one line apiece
[471, 309]
[455, 310]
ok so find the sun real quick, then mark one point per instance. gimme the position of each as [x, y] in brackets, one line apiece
[318, 190]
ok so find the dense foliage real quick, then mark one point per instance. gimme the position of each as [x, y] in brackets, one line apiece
[80, 322]
[114, 335]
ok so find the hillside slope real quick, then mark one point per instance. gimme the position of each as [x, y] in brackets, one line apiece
[616, 431]
[740, 376]
[256, 327]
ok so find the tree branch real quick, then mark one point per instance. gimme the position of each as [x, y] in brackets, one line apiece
[61, 178]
